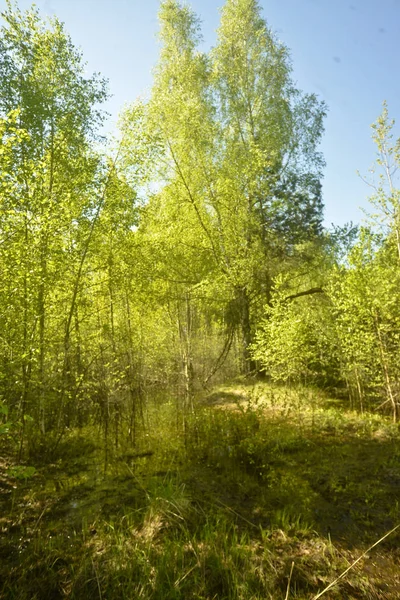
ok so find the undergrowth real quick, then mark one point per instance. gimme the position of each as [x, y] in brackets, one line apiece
[269, 493]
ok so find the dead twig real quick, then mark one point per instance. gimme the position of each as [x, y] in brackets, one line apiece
[288, 583]
[331, 585]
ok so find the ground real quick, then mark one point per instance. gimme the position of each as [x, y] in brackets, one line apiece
[270, 493]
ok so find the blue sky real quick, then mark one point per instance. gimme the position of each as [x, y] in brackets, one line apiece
[346, 51]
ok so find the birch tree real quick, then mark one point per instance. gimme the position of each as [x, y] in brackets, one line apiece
[55, 175]
[236, 143]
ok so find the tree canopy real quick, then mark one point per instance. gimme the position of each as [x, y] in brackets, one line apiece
[195, 249]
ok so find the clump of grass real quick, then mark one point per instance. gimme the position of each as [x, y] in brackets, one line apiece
[231, 442]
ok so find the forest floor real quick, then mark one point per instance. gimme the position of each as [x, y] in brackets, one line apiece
[270, 493]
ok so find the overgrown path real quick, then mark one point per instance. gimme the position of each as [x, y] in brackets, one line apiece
[264, 478]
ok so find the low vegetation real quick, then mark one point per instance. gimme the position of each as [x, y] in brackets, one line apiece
[271, 493]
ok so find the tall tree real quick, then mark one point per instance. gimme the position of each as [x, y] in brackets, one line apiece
[236, 145]
[351, 330]
[42, 78]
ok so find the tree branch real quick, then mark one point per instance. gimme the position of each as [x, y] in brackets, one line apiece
[305, 293]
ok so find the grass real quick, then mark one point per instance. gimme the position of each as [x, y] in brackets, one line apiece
[272, 493]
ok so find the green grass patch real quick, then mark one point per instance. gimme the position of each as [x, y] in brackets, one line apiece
[269, 493]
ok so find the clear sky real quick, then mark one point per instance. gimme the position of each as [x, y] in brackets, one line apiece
[346, 51]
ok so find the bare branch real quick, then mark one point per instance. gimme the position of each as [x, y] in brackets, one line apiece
[305, 293]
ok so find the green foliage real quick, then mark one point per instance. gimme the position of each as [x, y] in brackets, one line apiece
[196, 252]
[221, 129]
[367, 310]
[130, 282]
[22, 472]
[228, 441]
[294, 343]
[50, 177]
[349, 333]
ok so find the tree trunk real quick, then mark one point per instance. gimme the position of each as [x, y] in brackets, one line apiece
[246, 336]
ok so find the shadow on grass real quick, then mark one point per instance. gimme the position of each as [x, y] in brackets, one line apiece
[221, 512]
[341, 477]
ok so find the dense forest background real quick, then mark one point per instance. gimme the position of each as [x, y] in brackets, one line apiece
[187, 251]
[192, 248]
